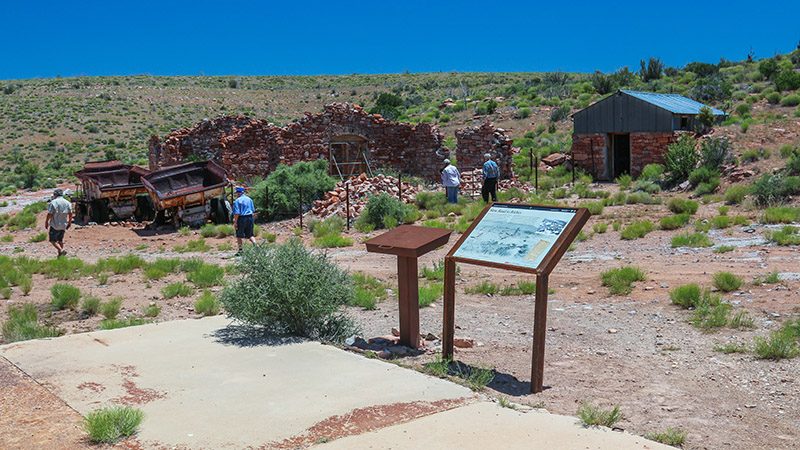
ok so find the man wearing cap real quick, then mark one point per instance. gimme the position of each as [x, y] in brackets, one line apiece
[59, 218]
[490, 175]
[243, 210]
[451, 180]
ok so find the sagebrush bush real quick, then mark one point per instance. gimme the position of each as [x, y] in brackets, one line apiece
[652, 172]
[680, 205]
[381, 208]
[714, 152]
[620, 281]
[64, 296]
[22, 324]
[108, 425]
[687, 295]
[727, 282]
[736, 194]
[774, 189]
[288, 290]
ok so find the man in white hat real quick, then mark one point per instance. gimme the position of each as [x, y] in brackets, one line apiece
[59, 218]
[451, 180]
[490, 175]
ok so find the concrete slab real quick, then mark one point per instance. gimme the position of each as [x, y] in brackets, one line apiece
[487, 425]
[203, 384]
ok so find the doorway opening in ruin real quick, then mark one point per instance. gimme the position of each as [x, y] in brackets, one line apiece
[620, 154]
[349, 156]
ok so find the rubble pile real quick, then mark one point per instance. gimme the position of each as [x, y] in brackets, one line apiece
[361, 187]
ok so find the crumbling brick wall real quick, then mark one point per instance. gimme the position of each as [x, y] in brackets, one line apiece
[249, 147]
[589, 153]
[474, 142]
[649, 148]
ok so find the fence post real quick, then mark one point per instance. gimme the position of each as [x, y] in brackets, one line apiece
[266, 202]
[347, 202]
[300, 206]
[531, 164]
[536, 168]
[400, 186]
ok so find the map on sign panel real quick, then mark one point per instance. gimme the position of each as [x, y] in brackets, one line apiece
[517, 235]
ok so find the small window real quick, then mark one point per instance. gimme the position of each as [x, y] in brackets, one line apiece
[684, 123]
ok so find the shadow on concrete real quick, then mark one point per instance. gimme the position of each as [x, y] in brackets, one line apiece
[249, 336]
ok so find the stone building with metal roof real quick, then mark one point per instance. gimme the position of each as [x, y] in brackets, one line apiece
[627, 130]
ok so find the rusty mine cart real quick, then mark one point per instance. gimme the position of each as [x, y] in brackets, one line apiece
[111, 190]
[189, 194]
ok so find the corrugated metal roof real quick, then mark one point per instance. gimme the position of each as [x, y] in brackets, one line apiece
[674, 103]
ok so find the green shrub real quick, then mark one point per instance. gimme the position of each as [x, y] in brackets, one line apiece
[781, 214]
[434, 273]
[178, 289]
[791, 100]
[484, 287]
[652, 172]
[595, 208]
[741, 320]
[673, 222]
[724, 249]
[592, 415]
[108, 425]
[721, 222]
[90, 305]
[64, 296]
[111, 308]
[681, 158]
[430, 293]
[379, 208]
[694, 240]
[637, 229]
[736, 194]
[624, 181]
[161, 267]
[787, 235]
[22, 324]
[123, 264]
[226, 230]
[711, 312]
[287, 289]
[682, 205]
[773, 189]
[715, 152]
[194, 245]
[332, 241]
[687, 295]
[671, 436]
[26, 284]
[620, 281]
[646, 186]
[207, 304]
[38, 237]
[285, 185]
[368, 291]
[703, 174]
[269, 237]
[773, 98]
[206, 275]
[208, 230]
[600, 227]
[727, 282]
[781, 344]
[152, 310]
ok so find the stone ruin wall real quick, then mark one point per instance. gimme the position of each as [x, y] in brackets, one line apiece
[248, 148]
[474, 142]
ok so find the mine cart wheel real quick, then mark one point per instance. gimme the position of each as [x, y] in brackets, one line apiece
[98, 211]
[176, 220]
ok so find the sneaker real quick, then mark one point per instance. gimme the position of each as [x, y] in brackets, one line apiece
[62, 253]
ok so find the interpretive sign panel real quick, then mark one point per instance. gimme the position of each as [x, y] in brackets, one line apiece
[515, 235]
[523, 238]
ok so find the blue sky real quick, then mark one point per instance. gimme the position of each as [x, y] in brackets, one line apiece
[69, 38]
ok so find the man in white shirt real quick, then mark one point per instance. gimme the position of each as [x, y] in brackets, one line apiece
[451, 180]
[59, 218]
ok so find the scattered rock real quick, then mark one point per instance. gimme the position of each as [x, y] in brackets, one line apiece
[463, 343]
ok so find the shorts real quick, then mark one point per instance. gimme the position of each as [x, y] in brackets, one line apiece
[56, 235]
[244, 227]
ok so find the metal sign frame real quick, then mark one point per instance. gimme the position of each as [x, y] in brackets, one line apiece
[542, 272]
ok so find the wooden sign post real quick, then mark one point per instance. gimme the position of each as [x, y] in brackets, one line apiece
[523, 238]
[408, 243]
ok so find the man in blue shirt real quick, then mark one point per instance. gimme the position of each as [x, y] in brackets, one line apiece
[243, 210]
[490, 175]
